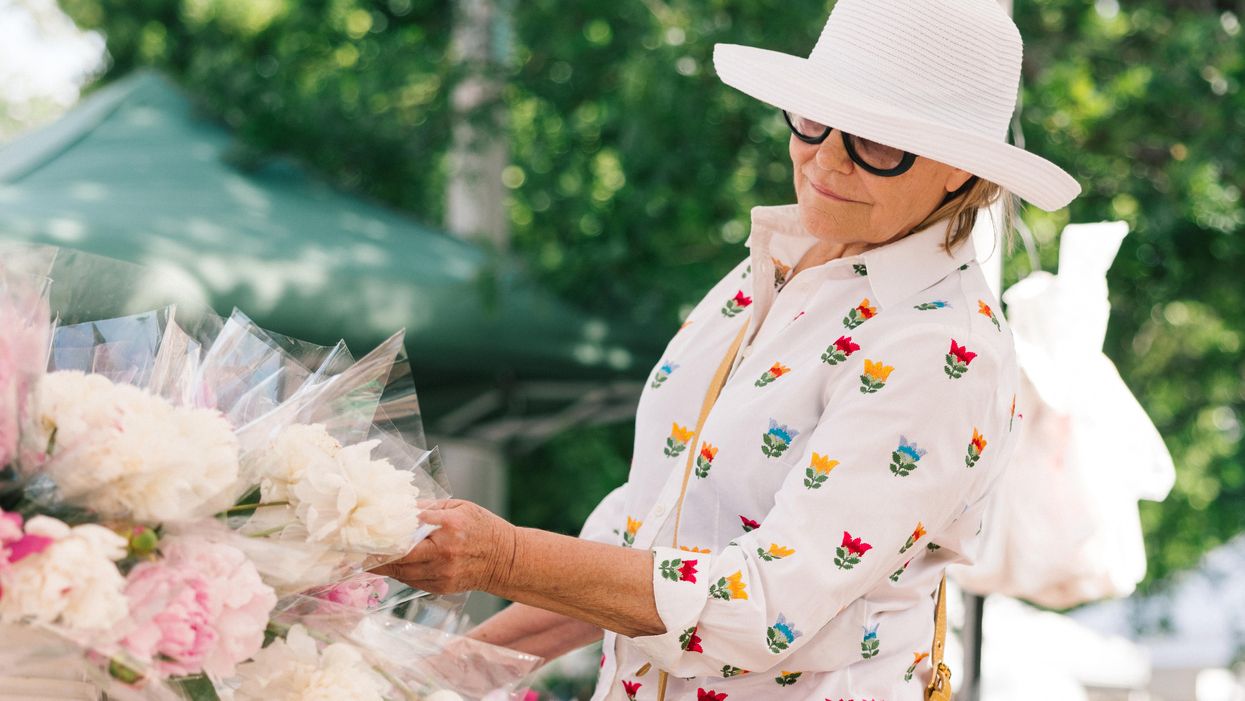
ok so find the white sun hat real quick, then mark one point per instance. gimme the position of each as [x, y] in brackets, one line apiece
[938, 78]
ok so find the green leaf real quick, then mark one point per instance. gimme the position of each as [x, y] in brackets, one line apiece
[197, 688]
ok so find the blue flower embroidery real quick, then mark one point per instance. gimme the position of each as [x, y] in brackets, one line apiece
[904, 458]
[777, 439]
[781, 634]
[869, 644]
[663, 373]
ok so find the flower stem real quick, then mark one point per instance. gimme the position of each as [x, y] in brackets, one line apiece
[251, 507]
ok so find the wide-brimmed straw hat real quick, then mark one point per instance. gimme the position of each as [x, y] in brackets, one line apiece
[938, 78]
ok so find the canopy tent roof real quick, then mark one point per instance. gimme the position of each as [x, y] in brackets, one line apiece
[134, 173]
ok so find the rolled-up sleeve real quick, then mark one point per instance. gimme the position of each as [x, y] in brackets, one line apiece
[897, 454]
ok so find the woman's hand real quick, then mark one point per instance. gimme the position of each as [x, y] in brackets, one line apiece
[474, 550]
[471, 549]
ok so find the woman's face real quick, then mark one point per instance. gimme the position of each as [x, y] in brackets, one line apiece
[880, 209]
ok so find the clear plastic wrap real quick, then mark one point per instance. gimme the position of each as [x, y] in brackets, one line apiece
[177, 472]
[396, 659]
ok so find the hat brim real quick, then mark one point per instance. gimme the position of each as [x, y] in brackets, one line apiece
[798, 85]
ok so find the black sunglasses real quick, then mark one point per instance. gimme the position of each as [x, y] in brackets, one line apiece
[879, 159]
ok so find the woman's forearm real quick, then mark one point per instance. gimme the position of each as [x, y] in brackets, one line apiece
[608, 586]
[536, 631]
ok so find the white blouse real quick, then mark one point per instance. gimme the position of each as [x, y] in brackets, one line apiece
[843, 467]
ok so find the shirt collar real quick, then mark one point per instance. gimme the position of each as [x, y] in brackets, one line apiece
[895, 271]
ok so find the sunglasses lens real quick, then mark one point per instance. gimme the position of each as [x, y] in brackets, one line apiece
[806, 127]
[872, 153]
[879, 156]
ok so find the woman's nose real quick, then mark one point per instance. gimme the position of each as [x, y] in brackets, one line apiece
[831, 155]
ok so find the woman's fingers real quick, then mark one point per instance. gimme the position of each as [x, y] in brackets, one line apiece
[460, 555]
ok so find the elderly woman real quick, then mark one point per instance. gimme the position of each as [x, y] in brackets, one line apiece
[817, 443]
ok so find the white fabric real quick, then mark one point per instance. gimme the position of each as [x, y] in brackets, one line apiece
[938, 78]
[861, 631]
[1064, 526]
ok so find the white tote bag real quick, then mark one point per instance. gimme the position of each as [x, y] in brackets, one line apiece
[1063, 527]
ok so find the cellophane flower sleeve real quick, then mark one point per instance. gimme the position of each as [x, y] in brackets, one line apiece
[322, 648]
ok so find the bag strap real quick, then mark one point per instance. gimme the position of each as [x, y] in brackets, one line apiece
[940, 683]
[711, 395]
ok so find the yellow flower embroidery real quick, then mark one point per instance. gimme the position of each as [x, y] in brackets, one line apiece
[694, 549]
[818, 471]
[775, 552]
[678, 440]
[919, 657]
[629, 535]
[736, 584]
[822, 464]
[877, 370]
[920, 530]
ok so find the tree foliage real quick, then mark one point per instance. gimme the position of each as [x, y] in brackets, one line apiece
[634, 168]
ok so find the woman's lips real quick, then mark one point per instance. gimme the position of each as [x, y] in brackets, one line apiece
[828, 193]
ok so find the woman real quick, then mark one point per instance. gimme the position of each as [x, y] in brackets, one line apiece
[783, 539]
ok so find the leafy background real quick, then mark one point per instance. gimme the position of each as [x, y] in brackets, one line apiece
[633, 171]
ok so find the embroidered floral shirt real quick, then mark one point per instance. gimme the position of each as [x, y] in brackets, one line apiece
[843, 467]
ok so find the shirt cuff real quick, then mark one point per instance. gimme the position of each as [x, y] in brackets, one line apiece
[680, 591]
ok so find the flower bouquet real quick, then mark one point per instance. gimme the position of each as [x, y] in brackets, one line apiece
[178, 490]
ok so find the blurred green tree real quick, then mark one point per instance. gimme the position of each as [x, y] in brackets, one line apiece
[634, 170]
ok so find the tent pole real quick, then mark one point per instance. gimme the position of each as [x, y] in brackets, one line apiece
[974, 605]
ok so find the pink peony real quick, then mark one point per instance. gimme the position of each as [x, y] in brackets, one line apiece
[360, 592]
[8, 404]
[173, 608]
[15, 544]
[23, 353]
[203, 607]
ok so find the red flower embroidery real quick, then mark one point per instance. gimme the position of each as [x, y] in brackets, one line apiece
[687, 572]
[742, 300]
[867, 311]
[691, 641]
[749, 524]
[631, 688]
[961, 353]
[845, 344]
[709, 695]
[854, 546]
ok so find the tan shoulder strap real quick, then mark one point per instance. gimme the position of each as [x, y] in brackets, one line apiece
[711, 395]
[939, 688]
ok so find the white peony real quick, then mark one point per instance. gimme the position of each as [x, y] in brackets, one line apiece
[125, 453]
[73, 582]
[339, 495]
[294, 669]
[296, 450]
[366, 505]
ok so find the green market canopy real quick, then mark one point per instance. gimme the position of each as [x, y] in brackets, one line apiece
[134, 173]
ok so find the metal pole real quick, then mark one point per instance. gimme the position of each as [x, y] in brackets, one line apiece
[975, 606]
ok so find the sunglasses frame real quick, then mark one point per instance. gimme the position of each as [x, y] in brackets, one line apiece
[848, 143]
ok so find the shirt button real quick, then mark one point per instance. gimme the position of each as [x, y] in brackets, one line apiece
[659, 511]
